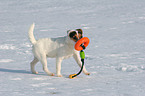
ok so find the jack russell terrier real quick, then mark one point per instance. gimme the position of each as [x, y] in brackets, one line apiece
[59, 48]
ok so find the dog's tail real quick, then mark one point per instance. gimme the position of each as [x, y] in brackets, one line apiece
[31, 36]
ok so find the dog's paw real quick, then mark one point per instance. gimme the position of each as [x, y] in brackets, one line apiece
[87, 73]
[35, 72]
[59, 75]
[52, 74]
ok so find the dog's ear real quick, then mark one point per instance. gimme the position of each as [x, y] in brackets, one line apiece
[80, 31]
[68, 31]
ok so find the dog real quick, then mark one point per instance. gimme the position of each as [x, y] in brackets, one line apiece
[59, 48]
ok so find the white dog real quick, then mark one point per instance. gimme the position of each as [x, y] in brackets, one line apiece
[59, 48]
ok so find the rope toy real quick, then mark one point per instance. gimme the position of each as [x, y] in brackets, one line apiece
[80, 46]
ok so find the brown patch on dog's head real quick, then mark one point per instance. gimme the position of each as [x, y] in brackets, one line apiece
[75, 35]
[80, 33]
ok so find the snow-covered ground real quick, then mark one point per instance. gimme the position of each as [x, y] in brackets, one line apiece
[115, 56]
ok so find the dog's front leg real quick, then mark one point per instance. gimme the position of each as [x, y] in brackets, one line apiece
[58, 66]
[78, 60]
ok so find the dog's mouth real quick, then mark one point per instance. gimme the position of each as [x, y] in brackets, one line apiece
[75, 39]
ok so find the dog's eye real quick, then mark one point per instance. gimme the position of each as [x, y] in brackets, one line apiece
[72, 34]
[80, 32]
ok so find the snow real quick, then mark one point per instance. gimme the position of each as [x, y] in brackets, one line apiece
[115, 56]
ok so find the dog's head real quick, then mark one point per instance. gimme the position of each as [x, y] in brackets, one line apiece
[75, 35]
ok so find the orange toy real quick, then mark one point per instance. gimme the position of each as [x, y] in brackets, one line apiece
[85, 41]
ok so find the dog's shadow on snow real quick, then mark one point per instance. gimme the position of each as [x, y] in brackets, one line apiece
[22, 72]
[25, 72]
[14, 71]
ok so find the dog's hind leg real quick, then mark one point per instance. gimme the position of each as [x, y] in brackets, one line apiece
[44, 64]
[33, 63]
